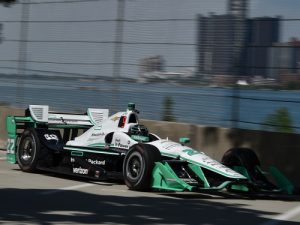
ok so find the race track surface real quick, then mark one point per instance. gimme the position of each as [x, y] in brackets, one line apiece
[44, 198]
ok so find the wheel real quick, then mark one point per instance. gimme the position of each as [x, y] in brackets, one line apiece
[247, 158]
[138, 165]
[28, 151]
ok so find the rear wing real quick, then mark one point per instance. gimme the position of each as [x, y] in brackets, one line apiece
[39, 116]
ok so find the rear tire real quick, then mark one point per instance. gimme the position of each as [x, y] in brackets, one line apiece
[138, 165]
[28, 151]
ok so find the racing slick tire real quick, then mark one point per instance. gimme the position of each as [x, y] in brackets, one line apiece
[28, 152]
[138, 165]
[247, 158]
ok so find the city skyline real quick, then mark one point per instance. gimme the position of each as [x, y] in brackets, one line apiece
[177, 57]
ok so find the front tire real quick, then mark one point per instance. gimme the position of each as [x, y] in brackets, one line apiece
[247, 158]
[28, 151]
[138, 165]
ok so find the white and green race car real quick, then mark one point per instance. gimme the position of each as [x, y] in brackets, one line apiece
[103, 147]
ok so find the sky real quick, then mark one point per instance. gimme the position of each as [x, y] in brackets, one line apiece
[96, 58]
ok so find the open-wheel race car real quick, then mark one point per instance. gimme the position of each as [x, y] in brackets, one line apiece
[102, 147]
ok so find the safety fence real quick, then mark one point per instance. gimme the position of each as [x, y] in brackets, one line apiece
[173, 58]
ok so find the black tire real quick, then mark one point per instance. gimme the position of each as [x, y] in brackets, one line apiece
[28, 152]
[138, 165]
[247, 158]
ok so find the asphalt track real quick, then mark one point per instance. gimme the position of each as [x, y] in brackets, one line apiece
[43, 198]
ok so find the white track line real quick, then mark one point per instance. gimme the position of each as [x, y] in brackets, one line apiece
[283, 217]
[75, 187]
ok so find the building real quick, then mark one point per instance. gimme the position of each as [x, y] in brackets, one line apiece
[262, 33]
[220, 45]
[1, 28]
[221, 41]
[238, 8]
[234, 45]
[295, 46]
[284, 61]
[151, 64]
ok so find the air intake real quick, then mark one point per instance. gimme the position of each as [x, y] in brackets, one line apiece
[39, 112]
[97, 116]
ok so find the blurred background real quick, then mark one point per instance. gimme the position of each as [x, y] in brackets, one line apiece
[225, 63]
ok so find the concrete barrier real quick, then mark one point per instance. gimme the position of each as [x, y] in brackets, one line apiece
[279, 149]
[273, 149]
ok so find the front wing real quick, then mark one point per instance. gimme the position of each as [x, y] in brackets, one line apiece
[177, 175]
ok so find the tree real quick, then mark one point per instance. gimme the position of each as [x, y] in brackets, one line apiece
[279, 121]
[168, 108]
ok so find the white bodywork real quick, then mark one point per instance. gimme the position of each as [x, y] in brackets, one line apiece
[118, 126]
[95, 137]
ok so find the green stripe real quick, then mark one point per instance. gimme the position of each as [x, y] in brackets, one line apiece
[93, 151]
[76, 153]
[100, 145]
[169, 155]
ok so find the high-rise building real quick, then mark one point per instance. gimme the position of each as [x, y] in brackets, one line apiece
[219, 45]
[221, 40]
[238, 8]
[233, 45]
[284, 59]
[262, 33]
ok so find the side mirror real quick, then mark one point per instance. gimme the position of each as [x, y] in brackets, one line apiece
[184, 140]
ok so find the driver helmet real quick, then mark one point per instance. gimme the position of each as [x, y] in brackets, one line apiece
[139, 133]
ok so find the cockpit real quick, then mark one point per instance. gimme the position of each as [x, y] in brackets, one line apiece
[139, 133]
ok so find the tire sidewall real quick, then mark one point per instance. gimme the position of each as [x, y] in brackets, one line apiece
[147, 155]
[31, 136]
[136, 153]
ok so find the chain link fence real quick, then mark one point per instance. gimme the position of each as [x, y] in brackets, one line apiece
[169, 57]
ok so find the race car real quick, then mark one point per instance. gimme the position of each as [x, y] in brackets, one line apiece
[117, 147]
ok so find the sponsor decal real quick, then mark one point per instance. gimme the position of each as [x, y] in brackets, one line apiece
[169, 145]
[99, 127]
[80, 171]
[50, 137]
[10, 146]
[98, 134]
[72, 160]
[119, 145]
[97, 162]
[140, 138]
[61, 120]
[189, 180]
[118, 140]
[115, 118]
[191, 152]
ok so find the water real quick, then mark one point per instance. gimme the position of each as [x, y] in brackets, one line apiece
[197, 105]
